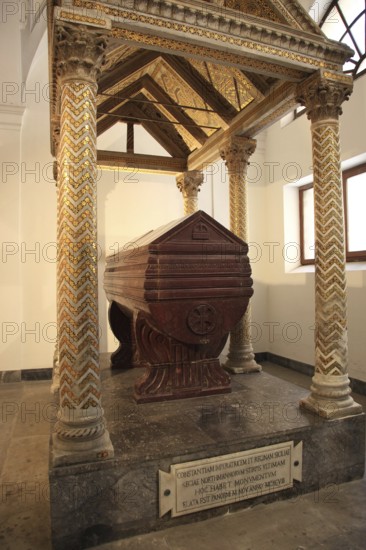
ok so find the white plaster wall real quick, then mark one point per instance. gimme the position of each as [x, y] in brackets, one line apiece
[10, 125]
[38, 221]
[290, 306]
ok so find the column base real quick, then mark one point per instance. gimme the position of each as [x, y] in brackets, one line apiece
[331, 409]
[241, 363]
[65, 453]
[80, 435]
[55, 386]
[330, 397]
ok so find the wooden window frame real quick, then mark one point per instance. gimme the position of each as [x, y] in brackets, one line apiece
[355, 256]
[303, 260]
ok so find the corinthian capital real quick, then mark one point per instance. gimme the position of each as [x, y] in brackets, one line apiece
[323, 94]
[237, 151]
[189, 182]
[80, 52]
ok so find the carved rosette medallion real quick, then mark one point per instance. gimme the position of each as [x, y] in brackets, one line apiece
[80, 417]
[202, 319]
[236, 153]
[189, 184]
[330, 388]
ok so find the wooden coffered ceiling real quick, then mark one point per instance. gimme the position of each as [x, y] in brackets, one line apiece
[194, 72]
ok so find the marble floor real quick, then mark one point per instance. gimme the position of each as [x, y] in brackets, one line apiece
[332, 518]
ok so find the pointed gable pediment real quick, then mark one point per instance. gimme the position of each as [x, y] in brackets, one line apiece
[287, 12]
[198, 228]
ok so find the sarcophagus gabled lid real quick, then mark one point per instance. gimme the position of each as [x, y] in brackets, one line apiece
[189, 232]
[194, 257]
[193, 229]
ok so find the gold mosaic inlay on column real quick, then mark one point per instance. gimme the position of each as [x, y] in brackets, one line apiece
[236, 153]
[330, 389]
[80, 429]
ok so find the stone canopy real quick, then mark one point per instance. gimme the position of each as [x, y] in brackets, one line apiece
[193, 73]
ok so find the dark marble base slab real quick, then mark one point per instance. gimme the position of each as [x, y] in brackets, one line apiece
[357, 386]
[92, 503]
[25, 375]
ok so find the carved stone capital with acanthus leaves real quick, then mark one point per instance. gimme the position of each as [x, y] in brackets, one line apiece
[323, 94]
[237, 151]
[80, 52]
[189, 182]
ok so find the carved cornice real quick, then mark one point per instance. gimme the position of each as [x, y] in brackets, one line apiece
[229, 27]
[323, 94]
[188, 183]
[296, 15]
[80, 52]
[229, 57]
[237, 151]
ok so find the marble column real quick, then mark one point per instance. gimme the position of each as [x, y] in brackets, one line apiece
[322, 95]
[236, 153]
[55, 386]
[188, 183]
[80, 433]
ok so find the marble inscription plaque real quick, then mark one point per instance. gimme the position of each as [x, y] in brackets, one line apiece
[202, 484]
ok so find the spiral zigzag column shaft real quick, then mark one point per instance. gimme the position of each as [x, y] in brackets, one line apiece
[236, 153]
[80, 432]
[330, 390]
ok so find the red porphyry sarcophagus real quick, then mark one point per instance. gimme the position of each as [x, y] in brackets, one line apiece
[175, 294]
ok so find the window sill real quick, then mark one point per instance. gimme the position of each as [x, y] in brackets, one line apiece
[350, 266]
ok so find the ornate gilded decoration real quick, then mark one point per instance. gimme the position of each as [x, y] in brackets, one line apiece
[296, 16]
[80, 417]
[258, 8]
[236, 153]
[210, 53]
[323, 97]
[330, 388]
[72, 17]
[228, 27]
[124, 82]
[182, 94]
[188, 184]
[229, 82]
[117, 55]
[226, 56]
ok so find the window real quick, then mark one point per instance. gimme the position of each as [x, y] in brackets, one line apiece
[354, 194]
[344, 21]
